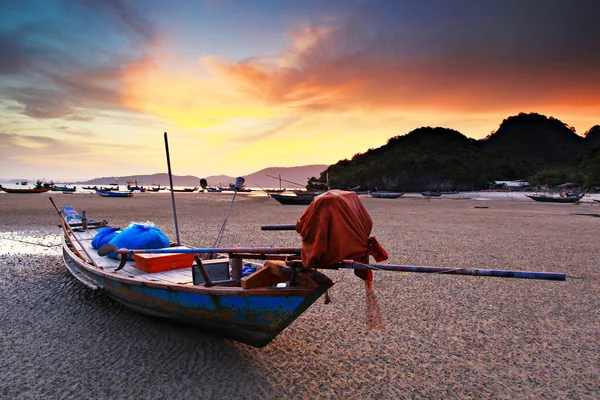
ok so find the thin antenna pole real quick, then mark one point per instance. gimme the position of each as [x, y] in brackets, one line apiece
[172, 192]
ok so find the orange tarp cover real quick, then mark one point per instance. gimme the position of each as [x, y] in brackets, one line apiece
[335, 227]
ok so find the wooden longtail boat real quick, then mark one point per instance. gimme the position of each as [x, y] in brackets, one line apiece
[111, 193]
[39, 188]
[90, 187]
[63, 189]
[185, 190]
[386, 195]
[305, 193]
[556, 199]
[252, 310]
[293, 200]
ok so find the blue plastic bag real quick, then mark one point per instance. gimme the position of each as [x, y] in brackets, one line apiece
[140, 236]
[104, 236]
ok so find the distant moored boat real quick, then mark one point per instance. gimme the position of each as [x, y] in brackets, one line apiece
[386, 195]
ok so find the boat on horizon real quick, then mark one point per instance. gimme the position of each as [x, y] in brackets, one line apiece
[556, 199]
[108, 188]
[40, 187]
[112, 193]
[185, 190]
[292, 199]
[431, 193]
[63, 189]
[386, 195]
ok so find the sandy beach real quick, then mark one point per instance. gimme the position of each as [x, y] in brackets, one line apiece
[444, 336]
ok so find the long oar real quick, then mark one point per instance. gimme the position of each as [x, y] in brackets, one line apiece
[433, 270]
[551, 276]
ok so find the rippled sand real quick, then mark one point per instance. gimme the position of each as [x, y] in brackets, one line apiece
[444, 336]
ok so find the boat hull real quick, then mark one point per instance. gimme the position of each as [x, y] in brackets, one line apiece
[293, 200]
[63, 189]
[548, 199]
[113, 194]
[431, 194]
[386, 195]
[41, 190]
[254, 317]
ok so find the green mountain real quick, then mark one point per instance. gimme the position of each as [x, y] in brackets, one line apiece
[443, 159]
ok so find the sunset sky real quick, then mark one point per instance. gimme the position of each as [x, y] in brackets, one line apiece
[87, 87]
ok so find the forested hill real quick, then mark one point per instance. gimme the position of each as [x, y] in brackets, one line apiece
[527, 146]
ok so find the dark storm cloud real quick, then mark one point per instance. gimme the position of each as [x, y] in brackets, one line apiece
[461, 55]
[71, 57]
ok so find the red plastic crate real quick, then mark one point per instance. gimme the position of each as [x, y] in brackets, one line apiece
[163, 262]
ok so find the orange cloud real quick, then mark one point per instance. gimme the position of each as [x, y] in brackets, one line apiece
[188, 96]
[327, 73]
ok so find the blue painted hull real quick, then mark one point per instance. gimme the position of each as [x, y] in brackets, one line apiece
[251, 316]
[386, 195]
[113, 194]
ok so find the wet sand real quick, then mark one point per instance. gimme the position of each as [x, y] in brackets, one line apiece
[444, 336]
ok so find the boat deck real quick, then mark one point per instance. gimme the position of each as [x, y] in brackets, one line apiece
[218, 268]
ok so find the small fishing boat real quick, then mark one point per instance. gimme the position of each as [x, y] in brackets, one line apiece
[136, 187]
[252, 309]
[574, 198]
[90, 187]
[241, 189]
[63, 189]
[386, 195]
[108, 188]
[40, 187]
[431, 193]
[293, 200]
[112, 193]
[185, 190]
[155, 188]
[306, 193]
